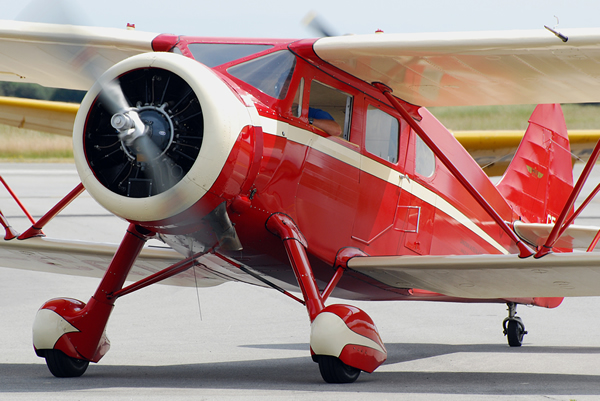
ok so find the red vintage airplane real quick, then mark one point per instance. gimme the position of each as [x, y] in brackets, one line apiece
[310, 166]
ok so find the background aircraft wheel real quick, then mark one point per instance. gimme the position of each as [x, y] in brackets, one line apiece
[61, 365]
[514, 333]
[335, 371]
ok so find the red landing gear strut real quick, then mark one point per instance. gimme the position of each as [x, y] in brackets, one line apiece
[70, 333]
[344, 339]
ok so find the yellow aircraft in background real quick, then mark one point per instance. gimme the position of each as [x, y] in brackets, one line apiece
[493, 150]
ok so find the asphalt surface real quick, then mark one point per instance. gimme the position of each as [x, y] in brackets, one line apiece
[237, 341]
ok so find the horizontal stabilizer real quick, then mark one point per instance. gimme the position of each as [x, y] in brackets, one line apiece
[574, 237]
[488, 276]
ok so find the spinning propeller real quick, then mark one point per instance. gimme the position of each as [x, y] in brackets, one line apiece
[313, 21]
[144, 132]
[139, 132]
[145, 129]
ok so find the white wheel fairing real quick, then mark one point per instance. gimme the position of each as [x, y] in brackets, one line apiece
[224, 117]
[329, 334]
[48, 328]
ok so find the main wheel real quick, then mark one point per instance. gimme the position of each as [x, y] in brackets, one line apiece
[61, 365]
[335, 371]
[515, 333]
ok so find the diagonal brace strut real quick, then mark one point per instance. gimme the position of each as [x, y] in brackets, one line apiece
[525, 251]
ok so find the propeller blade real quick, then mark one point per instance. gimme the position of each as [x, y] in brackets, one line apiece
[136, 135]
[317, 24]
[113, 98]
[158, 166]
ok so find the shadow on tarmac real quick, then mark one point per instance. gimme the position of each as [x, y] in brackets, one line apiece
[301, 374]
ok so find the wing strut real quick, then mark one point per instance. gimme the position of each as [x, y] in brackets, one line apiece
[14, 196]
[10, 232]
[562, 222]
[258, 277]
[525, 251]
[164, 274]
[36, 229]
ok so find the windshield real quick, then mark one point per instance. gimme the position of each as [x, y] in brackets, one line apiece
[214, 54]
[270, 74]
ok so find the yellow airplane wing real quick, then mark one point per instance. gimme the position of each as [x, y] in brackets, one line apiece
[493, 150]
[38, 115]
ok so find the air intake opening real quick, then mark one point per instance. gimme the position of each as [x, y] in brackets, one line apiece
[172, 116]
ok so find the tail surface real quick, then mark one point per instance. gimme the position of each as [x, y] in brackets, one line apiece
[539, 179]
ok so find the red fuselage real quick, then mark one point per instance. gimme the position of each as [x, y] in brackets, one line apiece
[343, 191]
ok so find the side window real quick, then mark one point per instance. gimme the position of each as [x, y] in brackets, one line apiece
[381, 136]
[425, 160]
[330, 109]
[297, 102]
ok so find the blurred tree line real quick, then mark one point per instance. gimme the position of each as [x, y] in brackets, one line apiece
[35, 91]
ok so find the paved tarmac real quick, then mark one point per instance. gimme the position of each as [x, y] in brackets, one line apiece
[239, 342]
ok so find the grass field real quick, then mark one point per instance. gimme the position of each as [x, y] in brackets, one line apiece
[512, 117]
[21, 145]
[18, 145]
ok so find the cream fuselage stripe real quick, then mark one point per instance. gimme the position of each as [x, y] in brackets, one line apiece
[331, 148]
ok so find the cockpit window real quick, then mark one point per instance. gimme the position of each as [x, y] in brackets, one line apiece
[270, 74]
[214, 54]
[336, 104]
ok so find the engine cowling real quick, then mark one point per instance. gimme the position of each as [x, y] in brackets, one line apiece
[198, 127]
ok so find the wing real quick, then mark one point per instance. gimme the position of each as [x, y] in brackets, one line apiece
[64, 56]
[77, 258]
[488, 276]
[474, 68]
[38, 115]
[494, 150]
[90, 259]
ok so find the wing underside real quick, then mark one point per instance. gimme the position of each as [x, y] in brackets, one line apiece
[64, 56]
[89, 259]
[488, 276]
[474, 68]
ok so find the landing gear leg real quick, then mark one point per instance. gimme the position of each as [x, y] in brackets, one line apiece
[344, 340]
[514, 329]
[70, 333]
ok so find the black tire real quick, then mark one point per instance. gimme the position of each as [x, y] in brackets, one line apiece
[61, 365]
[335, 371]
[514, 333]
